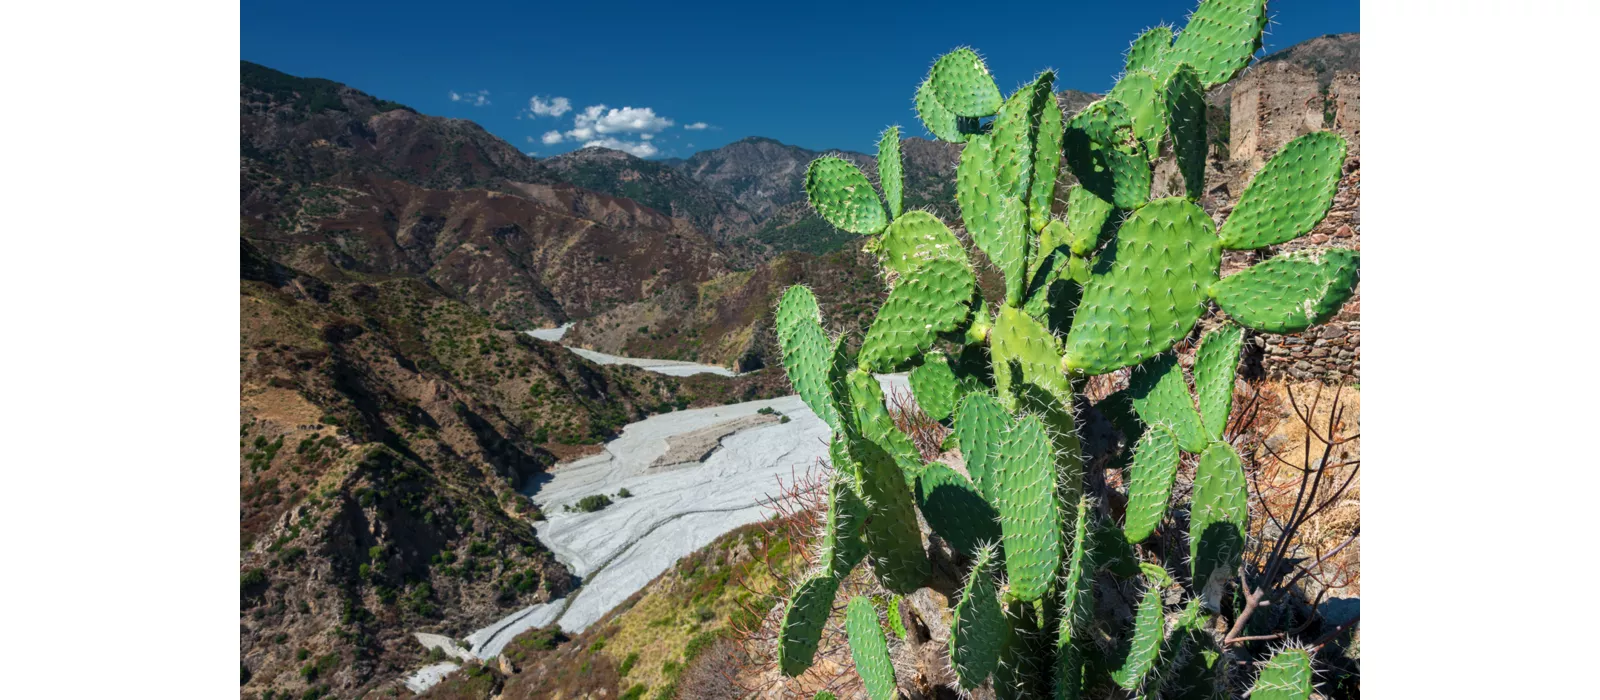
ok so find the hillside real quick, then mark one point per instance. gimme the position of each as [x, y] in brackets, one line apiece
[340, 185]
[662, 188]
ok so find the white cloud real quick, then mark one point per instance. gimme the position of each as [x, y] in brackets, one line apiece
[550, 137]
[555, 107]
[642, 149]
[696, 126]
[647, 137]
[621, 121]
[477, 98]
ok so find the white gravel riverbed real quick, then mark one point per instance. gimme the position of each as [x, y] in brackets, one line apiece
[673, 511]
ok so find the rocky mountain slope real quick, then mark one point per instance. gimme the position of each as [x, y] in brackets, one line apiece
[340, 185]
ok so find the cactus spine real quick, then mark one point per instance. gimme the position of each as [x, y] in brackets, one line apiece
[1115, 281]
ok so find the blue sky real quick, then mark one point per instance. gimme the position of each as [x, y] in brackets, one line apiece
[817, 74]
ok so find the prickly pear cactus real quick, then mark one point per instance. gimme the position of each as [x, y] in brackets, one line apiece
[1098, 277]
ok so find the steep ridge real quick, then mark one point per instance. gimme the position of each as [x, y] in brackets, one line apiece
[338, 184]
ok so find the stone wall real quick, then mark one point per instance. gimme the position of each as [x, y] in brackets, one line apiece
[1271, 105]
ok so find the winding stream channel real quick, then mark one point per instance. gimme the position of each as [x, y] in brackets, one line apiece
[675, 508]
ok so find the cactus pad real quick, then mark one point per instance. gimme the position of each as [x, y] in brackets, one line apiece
[1218, 516]
[1220, 38]
[1046, 158]
[1087, 219]
[1290, 195]
[894, 542]
[806, 351]
[962, 83]
[842, 546]
[955, 509]
[869, 649]
[1291, 292]
[919, 308]
[980, 427]
[1104, 151]
[1149, 51]
[1161, 397]
[1215, 364]
[939, 121]
[890, 172]
[1029, 517]
[1285, 676]
[873, 422]
[803, 620]
[1155, 465]
[1011, 138]
[934, 385]
[916, 239]
[1186, 122]
[1147, 107]
[842, 195]
[1019, 338]
[1146, 291]
[1077, 590]
[978, 629]
[1145, 643]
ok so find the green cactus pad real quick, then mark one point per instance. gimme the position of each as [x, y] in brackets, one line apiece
[1029, 515]
[939, 121]
[1161, 397]
[872, 421]
[1215, 364]
[806, 351]
[1149, 51]
[1147, 107]
[1048, 132]
[1291, 292]
[1077, 609]
[1011, 255]
[1147, 290]
[935, 386]
[894, 542]
[896, 625]
[1220, 38]
[1104, 151]
[839, 366]
[1290, 195]
[980, 427]
[842, 545]
[1020, 344]
[1285, 676]
[920, 307]
[955, 509]
[978, 628]
[842, 195]
[1011, 139]
[1077, 590]
[1145, 644]
[916, 239]
[869, 649]
[1087, 219]
[962, 83]
[1186, 122]
[803, 620]
[1155, 465]
[977, 189]
[890, 176]
[1018, 337]
[1218, 516]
